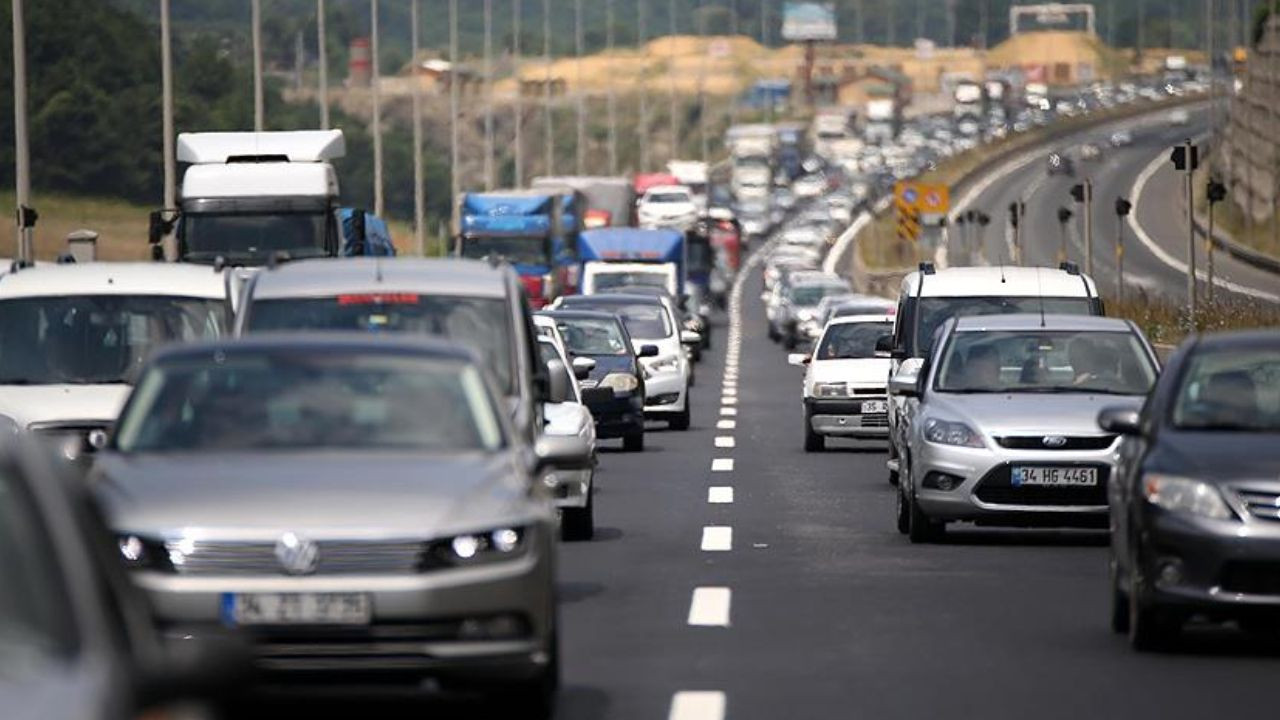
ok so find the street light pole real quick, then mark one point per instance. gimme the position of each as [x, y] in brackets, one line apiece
[322, 60]
[22, 157]
[488, 95]
[612, 96]
[519, 107]
[548, 119]
[375, 82]
[580, 96]
[642, 89]
[671, 77]
[419, 182]
[455, 179]
[259, 120]
[166, 111]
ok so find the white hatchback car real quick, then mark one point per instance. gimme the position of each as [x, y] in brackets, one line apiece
[667, 206]
[573, 490]
[846, 383]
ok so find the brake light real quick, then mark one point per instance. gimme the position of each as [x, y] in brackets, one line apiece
[597, 219]
[379, 299]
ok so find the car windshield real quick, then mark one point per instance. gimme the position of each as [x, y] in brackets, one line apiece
[667, 197]
[36, 626]
[1230, 390]
[517, 250]
[1040, 361]
[811, 295]
[253, 237]
[936, 310]
[852, 341]
[96, 339]
[603, 282]
[481, 323]
[310, 401]
[589, 336]
[643, 321]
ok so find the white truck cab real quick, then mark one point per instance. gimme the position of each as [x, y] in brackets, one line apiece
[603, 277]
[73, 337]
[248, 196]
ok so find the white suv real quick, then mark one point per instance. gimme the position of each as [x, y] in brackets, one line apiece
[845, 385]
[73, 337]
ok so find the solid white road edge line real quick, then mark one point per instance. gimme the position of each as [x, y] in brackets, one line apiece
[717, 538]
[710, 607]
[697, 705]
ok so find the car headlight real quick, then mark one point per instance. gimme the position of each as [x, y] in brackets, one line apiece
[620, 382]
[804, 315]
[831, 390]
[666, 363]
[1184, 495]
[476, 548]
[946, 432]
[139, 553]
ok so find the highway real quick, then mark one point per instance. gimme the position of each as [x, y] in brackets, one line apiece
[735, 576]
[1158, 219]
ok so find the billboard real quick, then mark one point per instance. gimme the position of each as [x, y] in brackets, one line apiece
[808, 21]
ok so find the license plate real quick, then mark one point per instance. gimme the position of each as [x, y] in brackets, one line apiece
[296, 609]
[1055, 476]
[871, 407]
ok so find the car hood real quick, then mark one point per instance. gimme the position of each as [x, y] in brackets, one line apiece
[668, 209]
[28, 404]
[259, 495]
[1222, 456]
[867, 371]
[1027, 413]
[606, 364]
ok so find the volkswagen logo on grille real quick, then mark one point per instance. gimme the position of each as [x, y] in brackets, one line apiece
[298, 556]
[1053, 441]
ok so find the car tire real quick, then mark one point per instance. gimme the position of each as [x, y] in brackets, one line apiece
[813, 442]
[579, 524]
[894, 475]
[1151, 627]
[680, 421]
[1119, 603]
[536, 698]
[633, 442]
[920, 528]
[903, 517]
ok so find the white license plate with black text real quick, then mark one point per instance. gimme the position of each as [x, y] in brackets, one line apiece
[296, 609]
[1062, 476]
[873, 407]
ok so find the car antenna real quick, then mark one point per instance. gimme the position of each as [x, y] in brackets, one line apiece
[377, 268]
[1040, 293]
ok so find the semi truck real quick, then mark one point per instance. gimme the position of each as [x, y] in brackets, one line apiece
[882, 121]
[623, 257]
[608, 201]
[250, 198]
[533, 230]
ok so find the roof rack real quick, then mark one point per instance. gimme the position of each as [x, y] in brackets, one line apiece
[18, 265]
[1069, 268]
[927, 268]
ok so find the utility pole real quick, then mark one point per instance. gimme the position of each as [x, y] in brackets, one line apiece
[1082, 193]
[701, 29]
[1142, 33]
[642, 89]
[455, 172]
[548, 119]
[166, 105]
[1016, 211]
[1123, 207]
[764, 22]
[951, 23]
[891, 22]
[671, 77]
[859, 21]
[580, 95]
[22, 158]
[258, 112]
[1064, 217]
[419, 181]
[1111, 23]
[1186, 158]
[519, 114]
[488, 95]
[1215, 192]
[322, 60]
[612, 95]
[375, 83]
[920, 17]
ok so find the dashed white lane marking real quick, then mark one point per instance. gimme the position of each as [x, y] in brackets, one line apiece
[728, 411]
[717, 538]
[710, 607]
[729, 400]
[722, 465]
[726, 424]
[730, 391]
[697, 705]
[720, 495]
[724, 441]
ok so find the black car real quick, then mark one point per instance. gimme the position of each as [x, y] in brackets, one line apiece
[76, 637]
[614, 391]
[1195, 508]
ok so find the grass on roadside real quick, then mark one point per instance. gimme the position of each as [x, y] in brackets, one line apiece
[1166, 323]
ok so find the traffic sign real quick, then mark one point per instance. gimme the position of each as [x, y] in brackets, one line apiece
[925, 198]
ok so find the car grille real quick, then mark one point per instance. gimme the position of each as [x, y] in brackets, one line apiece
[1251, 578]
[996, 488]
[870, 391]
[1036, 442]
[875, 420]
[1261, 504]
[335, 558]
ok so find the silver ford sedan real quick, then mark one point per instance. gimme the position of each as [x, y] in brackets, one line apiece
[359, 505]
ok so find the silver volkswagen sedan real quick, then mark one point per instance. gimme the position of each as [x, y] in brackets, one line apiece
[359, 505]
[1006, 431]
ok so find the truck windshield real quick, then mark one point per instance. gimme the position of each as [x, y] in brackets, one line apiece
[516, 250]
[937, 310]
[481, 323]
[96, 339]
[252, 238]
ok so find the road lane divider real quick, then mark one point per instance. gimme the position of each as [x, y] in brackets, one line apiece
[717, 538]
[724, 441]
[697, 705]
[709, 607]
[726, 424]
[720, 495]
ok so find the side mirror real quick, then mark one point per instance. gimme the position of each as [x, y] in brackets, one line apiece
[648, 351]
[1120, 420]
[799, 359]
[689, 337]
[907, 380]
[562, 452]
[582, 368]
[559, 390]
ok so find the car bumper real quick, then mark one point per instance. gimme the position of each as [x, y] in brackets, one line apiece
[984, 492]
[1227, 566]
[844, 418]
[665, 393]
[623, 415]
[482, 623]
